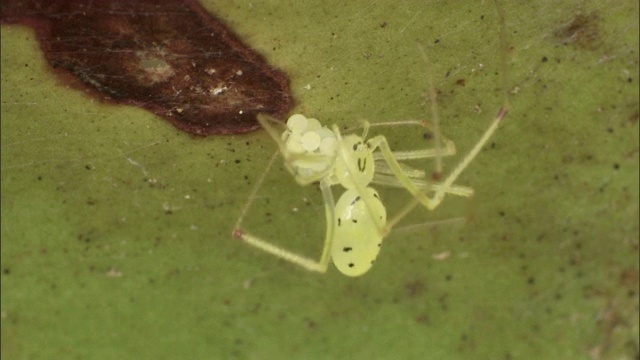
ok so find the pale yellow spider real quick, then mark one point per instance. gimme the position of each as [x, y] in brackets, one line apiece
[357, 222]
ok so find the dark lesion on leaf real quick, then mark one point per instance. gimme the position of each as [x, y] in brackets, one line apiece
[583, 30]
[172, 58]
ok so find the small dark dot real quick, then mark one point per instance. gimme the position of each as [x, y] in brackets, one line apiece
[531, 281]
[351, 265]
[354, 221]
[347, 249]
[6, 271]
[88, 167]
[237, 161]
[545, 59]
[630, 80]
[436, 41]
[481, 17]
[616, 166]
[379, 244]
[501, 213]
[339, 221]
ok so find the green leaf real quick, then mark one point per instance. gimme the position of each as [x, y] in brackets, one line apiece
[116, 228]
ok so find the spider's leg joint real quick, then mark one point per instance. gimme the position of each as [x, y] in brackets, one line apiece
[237, 233]
[503, 112]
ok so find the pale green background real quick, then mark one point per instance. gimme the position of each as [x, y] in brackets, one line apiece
[116, 227]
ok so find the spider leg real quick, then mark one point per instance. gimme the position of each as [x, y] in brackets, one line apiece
[446, 185]
[453, 176]
[384, 176]
[448, 149]
[422, 184]
[434, 107]
[302, 261]
[380, 142]
[383, 169]
[254, 192]
[439, 192]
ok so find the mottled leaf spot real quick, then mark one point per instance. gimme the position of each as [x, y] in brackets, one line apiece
[172, 58]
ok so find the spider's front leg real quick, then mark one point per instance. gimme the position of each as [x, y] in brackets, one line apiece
[432, 202]
[381, 143]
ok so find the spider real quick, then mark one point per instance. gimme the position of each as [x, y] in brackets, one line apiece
[357, 223]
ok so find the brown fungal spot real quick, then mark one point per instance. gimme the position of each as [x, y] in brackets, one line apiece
[172, 58]
[582, 30]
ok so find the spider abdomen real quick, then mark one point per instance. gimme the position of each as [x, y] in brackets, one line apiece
[357, 237]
